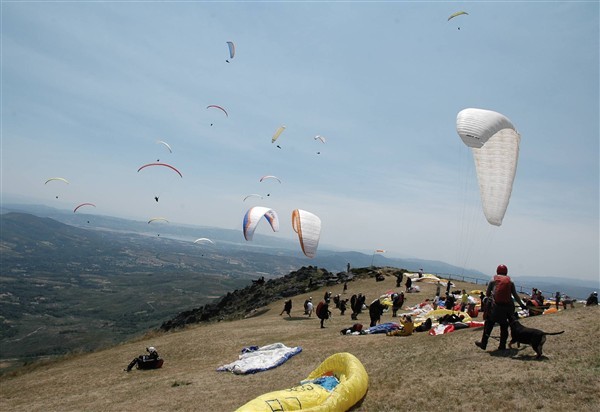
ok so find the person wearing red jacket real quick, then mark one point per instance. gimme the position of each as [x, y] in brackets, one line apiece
[500, 292]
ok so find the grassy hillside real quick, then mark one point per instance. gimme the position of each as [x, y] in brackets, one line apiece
[420, 372]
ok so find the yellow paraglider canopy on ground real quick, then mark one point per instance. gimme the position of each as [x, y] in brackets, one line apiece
[310, 396]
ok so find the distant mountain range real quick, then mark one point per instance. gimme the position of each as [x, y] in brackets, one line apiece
[330, 258]
[80, 282]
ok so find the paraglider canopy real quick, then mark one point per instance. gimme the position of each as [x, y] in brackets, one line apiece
[161, 219]
[254, 215]
[458, 13]
[494, 142]
[83, 204]
[308, 227]
[204, 240]
[270, 177]
[278, 132]
[57, 179]
[165, 144]
[61, 179]
[217, 107]
[161, 164]
[231, 47]
[253, 195]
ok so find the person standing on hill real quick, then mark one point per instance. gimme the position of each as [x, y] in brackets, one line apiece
[308, 306]
[399, 277]
[557, 299]
[353, 301]
[336, 301]
[397, 304]
[360, 302]
[408, 283]
[287, 308]
[323, 312]
[500, 291]
[375, 312]
[343, 304]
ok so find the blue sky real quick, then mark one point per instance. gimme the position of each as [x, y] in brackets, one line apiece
[89, 87]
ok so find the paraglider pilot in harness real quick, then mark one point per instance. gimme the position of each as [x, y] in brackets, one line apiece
[150, 361]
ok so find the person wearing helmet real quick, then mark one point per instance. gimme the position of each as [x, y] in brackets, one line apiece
[501, 309]
[141, 360]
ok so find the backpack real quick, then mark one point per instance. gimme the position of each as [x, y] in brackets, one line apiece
[321, 311]
[503, 289]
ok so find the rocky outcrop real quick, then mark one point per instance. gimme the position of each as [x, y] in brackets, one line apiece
[248, 302]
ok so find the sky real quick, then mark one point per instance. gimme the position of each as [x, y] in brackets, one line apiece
[88, 88]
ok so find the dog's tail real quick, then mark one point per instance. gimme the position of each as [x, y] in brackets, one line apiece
[554, 333]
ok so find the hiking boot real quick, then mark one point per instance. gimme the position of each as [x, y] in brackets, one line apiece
[480, 345]
[501, 347]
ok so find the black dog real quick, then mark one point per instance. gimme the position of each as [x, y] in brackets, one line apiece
[528, 336]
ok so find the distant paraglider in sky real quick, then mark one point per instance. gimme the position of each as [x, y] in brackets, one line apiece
[278, 132]
[253, 217]
[214, 106]
[494, 142]
[252, 195]
[161, 164]
[165, 144]
[308, 227]
[321, 139]
[204, 240]
[458, 13]
[158, 219]
[83, 204]
[60, 179]
[231, 47]
[269, 177]
[56, 179]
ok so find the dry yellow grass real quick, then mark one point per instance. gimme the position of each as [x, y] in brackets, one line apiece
[419, 372]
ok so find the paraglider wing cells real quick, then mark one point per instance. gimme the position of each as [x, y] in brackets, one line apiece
[308, 227]
[494, 142]
[253, 217]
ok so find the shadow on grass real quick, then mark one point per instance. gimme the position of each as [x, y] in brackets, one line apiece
[297, 318]
[514, 354]
[506, 353]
